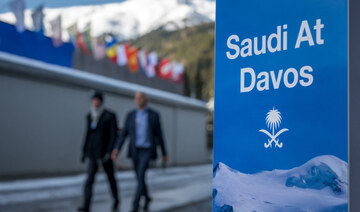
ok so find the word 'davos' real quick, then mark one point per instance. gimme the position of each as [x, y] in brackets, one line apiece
[272, 80]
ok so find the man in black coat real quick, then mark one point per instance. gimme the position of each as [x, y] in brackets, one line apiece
[143, 127]
[99, 141]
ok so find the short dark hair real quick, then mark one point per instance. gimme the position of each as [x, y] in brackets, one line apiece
[98, 95]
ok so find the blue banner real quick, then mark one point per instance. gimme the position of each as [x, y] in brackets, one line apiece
[34, 45]
[281, 106]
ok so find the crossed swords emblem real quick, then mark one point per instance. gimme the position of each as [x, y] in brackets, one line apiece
[273, 120]
[273, 138]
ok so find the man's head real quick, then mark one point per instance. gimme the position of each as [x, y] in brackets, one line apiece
[140, 100]
[97, 100]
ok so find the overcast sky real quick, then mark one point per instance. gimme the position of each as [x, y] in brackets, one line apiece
[57, 3]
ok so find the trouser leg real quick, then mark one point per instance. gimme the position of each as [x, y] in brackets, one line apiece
[141, 164]
[142, 180]
[136, 198]
[88, 190]
[109, 170]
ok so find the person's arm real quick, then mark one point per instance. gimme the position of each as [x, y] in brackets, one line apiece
[112, 136]
[121, 138]
[113, 133]
[85, 142]
[160, 137]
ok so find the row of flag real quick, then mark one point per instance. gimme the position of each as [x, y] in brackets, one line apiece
[102, 46]
[136, 59]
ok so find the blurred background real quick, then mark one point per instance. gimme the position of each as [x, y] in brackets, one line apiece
[54, 54]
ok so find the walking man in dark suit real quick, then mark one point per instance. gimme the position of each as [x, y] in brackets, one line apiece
[142, 125]
[99, 141]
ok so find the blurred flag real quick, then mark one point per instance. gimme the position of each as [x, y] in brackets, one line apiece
[142, 57]
[152, 63]
[38, 19]
[56, 31]
[87, 34]
[178, 72]
[99, 49]
[122, 58]
[133, 62]
[73, 31]
[81, 43]
[165, 68]
[111, 48]
[18, 7]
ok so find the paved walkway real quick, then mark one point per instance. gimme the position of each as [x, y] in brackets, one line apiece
[173, 189]
[203, 206]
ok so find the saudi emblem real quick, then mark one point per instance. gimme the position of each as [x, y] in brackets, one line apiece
[273, 120]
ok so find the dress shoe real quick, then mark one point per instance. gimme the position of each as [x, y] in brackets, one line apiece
[116, 205]
[147, 203]
[83, 209]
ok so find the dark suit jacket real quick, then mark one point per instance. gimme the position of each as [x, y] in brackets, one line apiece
[154, 133]
[101, 140]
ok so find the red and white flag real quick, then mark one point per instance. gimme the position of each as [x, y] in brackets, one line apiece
[165, 68]
[178, 72]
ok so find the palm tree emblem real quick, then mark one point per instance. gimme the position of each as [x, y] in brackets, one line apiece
[273, 121]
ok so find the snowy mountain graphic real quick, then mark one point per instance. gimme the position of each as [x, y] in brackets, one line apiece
[320, 185]
[128, 19]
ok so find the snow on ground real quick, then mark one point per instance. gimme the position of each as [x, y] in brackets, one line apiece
[320, 185]
[128, 19]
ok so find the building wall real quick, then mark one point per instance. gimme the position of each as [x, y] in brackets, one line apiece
[43, 119]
